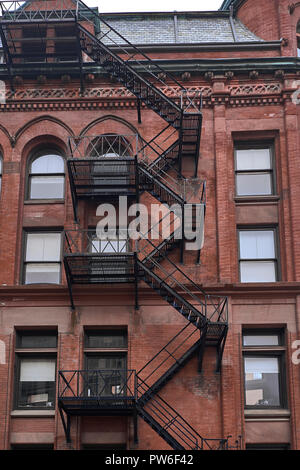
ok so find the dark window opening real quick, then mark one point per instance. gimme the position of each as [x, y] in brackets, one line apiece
[66, 44]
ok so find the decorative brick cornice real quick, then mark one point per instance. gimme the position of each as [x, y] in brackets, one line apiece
[255, 89]
[67, 99]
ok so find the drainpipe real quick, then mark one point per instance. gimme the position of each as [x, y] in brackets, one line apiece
[175, 27]
[232, 24]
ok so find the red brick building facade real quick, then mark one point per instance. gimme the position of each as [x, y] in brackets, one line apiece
[68, 305]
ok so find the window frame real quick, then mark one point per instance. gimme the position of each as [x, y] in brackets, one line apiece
[29, 231]
[29, 175]
[105, 352]
[276, 260]
[32, 353]
[33, 39]
[250, 145]
[278, 352]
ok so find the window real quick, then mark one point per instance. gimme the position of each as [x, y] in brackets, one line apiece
[35, 369]
[42, 258]
[46, 176]
[106, 362]
[112, 155]
[254, 170]
[34, 43]
[66, 44]
[264, 369]
[298, 39]
[257, 255]
[117, 242]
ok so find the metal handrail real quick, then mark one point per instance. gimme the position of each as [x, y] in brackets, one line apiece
[219, 303]
[174, 422]
[79, 383]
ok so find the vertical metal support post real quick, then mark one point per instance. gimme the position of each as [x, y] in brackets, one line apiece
[201, 349]
[79, 53]
[8, 58]
[180, 146]
[139, 111]
[135, 426]
[66, 426]
[198, 144]
[69, 285]
[182, 242]
[73, 191]
[137, 179]
[136, 282]
[220, 349]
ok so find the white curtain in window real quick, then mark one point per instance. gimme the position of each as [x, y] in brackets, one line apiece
[42, 273]
[48, 164]
[47, 187]
[261, 365]
[253, 159]
[258, 271]
[37, 370]
[43, 247]
[257, 244]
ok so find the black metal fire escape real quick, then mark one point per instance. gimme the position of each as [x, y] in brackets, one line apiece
[95, 177]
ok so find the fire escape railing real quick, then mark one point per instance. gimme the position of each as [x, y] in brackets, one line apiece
[206, 315]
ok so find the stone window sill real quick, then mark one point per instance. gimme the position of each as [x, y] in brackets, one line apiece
[256, 199]
[33, 413]
[44, 201]
[271, 413]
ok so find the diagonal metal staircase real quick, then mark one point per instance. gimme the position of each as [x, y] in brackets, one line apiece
[153, 177]
[206, 315]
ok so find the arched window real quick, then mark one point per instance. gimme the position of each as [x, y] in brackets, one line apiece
[298, 39]
[112, 165]
[46, 176]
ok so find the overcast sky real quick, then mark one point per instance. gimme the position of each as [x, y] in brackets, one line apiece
[154, 5]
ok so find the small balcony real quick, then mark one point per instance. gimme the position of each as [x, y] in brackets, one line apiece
[103, 166]
[97, 392]
[89, 260]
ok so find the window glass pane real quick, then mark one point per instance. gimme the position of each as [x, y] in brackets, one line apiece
[46, 187]
[257, 244]
[258, 271]
[106, 362]
[253, 184]
[262, 381]
[37, 370]
[261, 340]
[106, 376]
[0, 165]
[253, 159]
[106, 340]
[36, 341]
[43, 247]
[36, 386]
[42, 274]
[48, 164]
